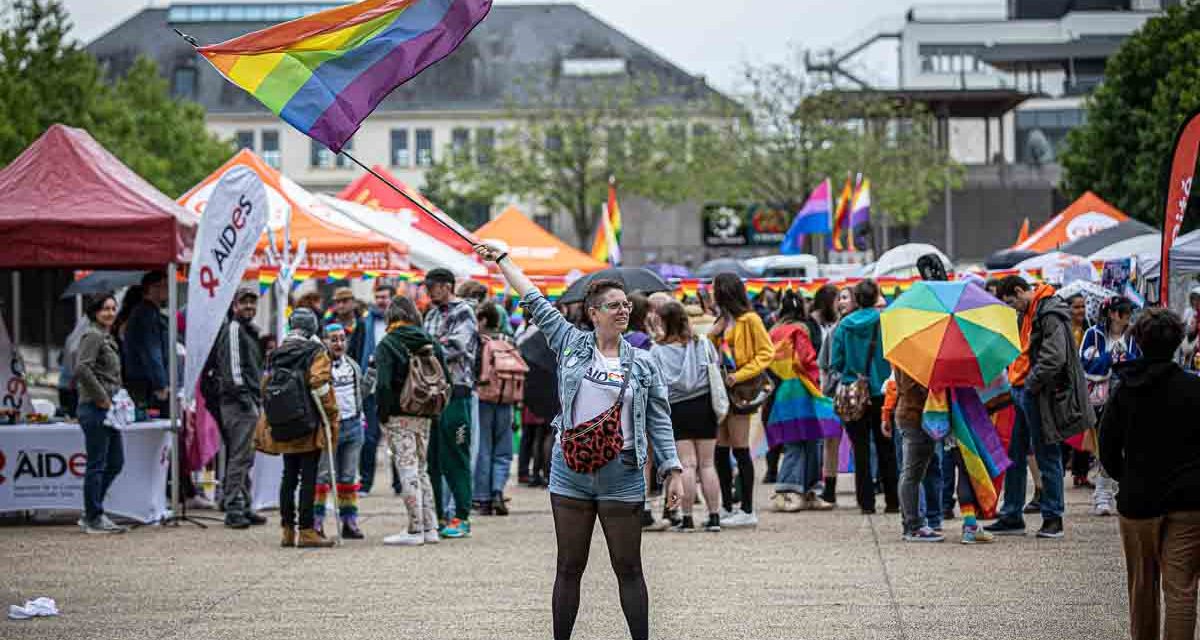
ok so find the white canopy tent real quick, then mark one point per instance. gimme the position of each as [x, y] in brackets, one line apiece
[1056, 266]
[425, 251]
[901, 261]
[1131, 248]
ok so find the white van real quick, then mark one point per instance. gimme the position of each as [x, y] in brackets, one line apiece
[785, 266]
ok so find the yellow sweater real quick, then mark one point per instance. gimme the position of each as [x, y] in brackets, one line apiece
[753, 350]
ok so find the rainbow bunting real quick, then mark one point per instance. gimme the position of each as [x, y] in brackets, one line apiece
[326, 72]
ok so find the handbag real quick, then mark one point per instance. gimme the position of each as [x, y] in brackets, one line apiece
[1098, 391]
[852, 398]
[716, 383]
[747, 396]
[589, 446]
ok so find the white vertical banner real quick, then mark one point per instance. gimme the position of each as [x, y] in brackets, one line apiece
[14, 393]
[233, 220]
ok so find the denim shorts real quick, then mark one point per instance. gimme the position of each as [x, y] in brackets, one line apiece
[620, 480]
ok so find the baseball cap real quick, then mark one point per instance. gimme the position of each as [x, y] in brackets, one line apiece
[433, 276]
[246, 290]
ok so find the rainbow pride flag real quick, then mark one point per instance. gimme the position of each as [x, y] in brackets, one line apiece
[326, 72]
[607, 245]
[983, 454]
[840, 216]
[800, 411]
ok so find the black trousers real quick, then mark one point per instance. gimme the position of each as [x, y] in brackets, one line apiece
[299, 471]
[862, 432]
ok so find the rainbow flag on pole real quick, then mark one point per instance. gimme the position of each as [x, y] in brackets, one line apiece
[860, 210]
[325, 73]
[607, 245]
[839, 215]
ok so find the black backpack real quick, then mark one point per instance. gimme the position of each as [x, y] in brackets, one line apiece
[288, 404]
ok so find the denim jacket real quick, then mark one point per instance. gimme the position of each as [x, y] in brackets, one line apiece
[574, 348]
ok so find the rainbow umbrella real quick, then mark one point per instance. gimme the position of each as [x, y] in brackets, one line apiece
[950, 334]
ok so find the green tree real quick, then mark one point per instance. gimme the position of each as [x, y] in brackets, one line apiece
[1150, 87]
[47, 78]
[565, 140]
[791, 138]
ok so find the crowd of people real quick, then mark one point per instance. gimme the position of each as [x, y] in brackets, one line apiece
[622, 395]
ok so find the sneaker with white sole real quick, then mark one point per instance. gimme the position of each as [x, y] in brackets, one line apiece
[976, 535]
[1103, 509]
[405, 539]
[924, 534]
[740, 519]
[813, 502]
[432, 537]
[103, 525]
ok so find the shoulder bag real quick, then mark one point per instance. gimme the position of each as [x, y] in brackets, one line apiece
[589, 446]
[852, 398]
[716, 382]
[747, 396]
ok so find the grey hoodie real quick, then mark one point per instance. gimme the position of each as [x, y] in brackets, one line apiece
[684, 368]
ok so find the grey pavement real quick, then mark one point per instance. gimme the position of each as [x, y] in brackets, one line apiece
[824, 576]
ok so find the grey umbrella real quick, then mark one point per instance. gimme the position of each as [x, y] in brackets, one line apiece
[1088, 245]
[634, 279]
[103, 282]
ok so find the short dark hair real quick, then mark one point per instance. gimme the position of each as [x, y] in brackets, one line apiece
[383, 286]
[866, 294]
[1011, 286]
[791, 307]
[487, 315]
[729, 292]
[95, 303]
[597, 288]
[439, 276]
[153, 278]
[473, 290]
[1158, 333]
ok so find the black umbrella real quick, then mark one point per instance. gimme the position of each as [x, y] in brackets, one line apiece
[103, 282]
[711, 268]
[1009, 258]
[634, 279]
[1088, 245]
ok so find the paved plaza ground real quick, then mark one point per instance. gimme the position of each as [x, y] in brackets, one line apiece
[824, 576]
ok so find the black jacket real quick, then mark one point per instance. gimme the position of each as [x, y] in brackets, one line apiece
[237, 357]
[1150, 441]
[541, 383]
[1056, 376]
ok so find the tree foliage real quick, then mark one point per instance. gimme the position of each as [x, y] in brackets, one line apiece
[1150, 86]
[47, 78]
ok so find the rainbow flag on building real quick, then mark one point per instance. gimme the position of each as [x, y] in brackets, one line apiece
[326, 72]
[607, 245]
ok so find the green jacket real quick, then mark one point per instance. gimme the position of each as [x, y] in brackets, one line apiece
[391, 365]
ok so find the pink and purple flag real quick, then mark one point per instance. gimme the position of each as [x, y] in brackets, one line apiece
[814, 217]
[860, 210]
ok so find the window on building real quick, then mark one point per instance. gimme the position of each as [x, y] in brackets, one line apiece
[424, 147]
[271, 153]
[1042, 133]
[183, 83]
[244, 140]
[400, 157]
[485, 146]
[320, 157]
[341, 160]
[460, 140]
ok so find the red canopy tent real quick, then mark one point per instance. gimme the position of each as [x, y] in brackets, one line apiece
[373, 192]
[67, 202]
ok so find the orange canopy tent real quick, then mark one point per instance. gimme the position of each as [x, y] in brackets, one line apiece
[334, 240]
[372, 192]
[1087, 215]
[533, 248]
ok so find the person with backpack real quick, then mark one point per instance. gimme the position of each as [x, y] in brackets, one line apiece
[451, 322]
[231, 386]
[614, 402]
[350, 386]
[501, 385]
[300, 422]
[412, 386]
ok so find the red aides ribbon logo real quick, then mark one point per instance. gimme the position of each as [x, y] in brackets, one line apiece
[3, 461]
[226, 242]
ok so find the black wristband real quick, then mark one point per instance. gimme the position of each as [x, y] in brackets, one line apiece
[501, 257]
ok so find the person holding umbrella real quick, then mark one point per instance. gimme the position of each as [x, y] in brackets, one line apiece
[614, 402]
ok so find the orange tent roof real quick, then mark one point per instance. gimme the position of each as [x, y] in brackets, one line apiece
[372, 192]
[334, 241]
[1087, 215]
[533, 248]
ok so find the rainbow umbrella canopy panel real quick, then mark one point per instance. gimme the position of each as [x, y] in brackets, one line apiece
[325, 73]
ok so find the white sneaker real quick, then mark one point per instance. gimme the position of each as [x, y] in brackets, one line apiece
[1103, 509]
[740, 519]
[432, 537]
[405, 540]
[723, 514]
[200, 502]
[103, 525]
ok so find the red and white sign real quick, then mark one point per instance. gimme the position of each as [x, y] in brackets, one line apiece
[1179, 189]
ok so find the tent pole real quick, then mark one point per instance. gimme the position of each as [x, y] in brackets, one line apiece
[471, 241]
[173, 384]
[16, 312]
[78, 307]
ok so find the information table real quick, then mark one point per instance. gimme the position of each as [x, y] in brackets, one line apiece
[42, 467]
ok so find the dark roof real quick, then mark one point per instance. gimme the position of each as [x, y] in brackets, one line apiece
[1052, 54]
[514, 44]
[953, 103]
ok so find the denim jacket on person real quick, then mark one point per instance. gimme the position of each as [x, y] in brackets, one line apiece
[575, 350]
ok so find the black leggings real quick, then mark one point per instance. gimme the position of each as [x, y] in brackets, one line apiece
[745, 465]
[621, 521]
[299, 469]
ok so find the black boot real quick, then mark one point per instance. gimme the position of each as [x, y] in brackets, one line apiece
[830, 493]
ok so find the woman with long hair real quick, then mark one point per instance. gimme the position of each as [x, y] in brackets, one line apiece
[797, 420]
[684, 360]
[842, 301]
[743, 332]
[614, 401]
[638, 334]
[98, 375]
[1078, 460]
[1106, 344]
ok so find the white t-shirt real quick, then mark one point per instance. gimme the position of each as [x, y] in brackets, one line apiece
[344, 388]
[598, 391]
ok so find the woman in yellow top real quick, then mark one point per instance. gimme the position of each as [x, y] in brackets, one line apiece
[744, 332]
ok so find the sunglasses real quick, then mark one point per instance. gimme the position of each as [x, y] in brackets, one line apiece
[616, 305]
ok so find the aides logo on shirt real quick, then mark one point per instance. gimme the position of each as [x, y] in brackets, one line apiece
[605, 377]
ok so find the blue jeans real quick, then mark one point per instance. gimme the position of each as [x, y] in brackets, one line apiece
[1027, 434]
[347, 457]
[800, 468]
[494, 460]
[105, 457]
[950, 481]
[620, 480]
[926, 509]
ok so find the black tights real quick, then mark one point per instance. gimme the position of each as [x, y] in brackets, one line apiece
[745, 475]
[573, 523]
[299, 470]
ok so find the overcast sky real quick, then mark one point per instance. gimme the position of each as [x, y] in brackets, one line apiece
[708, 37]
